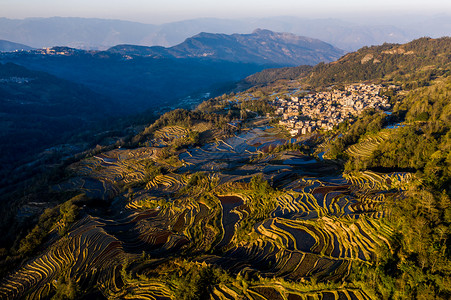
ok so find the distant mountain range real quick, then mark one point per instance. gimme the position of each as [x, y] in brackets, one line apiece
[7, 46]
[137, 77]
[102, 34]
[261, 47]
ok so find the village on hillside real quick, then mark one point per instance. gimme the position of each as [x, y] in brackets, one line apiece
[324, 110]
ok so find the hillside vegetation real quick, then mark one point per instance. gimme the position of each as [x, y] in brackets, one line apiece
[413, 64]
[222, 203]
[418, 264]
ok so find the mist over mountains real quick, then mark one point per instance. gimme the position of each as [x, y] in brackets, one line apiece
[102, 34]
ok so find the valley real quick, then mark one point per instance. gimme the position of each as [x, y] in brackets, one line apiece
[55, 99]
[137, 78]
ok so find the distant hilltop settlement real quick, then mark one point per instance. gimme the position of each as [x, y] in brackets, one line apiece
[324, 110]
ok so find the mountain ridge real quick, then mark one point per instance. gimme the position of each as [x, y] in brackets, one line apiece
[343, 34]
[260, 46]
[8, 46]
[374, 63]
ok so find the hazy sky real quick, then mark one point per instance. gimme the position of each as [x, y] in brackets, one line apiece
[159, 11]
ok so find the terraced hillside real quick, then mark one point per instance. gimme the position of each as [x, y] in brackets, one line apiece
[213, 211]
[218, 203]
[368, 145]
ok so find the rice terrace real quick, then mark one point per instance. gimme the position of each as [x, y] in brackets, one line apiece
[211, 209]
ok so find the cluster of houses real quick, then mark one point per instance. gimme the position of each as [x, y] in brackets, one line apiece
[49, 51]
[324, 110]
[55, 51]
[15, 80]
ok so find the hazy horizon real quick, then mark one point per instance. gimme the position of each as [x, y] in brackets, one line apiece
[361, 18]
[160, 12]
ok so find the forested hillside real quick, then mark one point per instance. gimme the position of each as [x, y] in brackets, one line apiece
[414, 63]
[417, 264]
